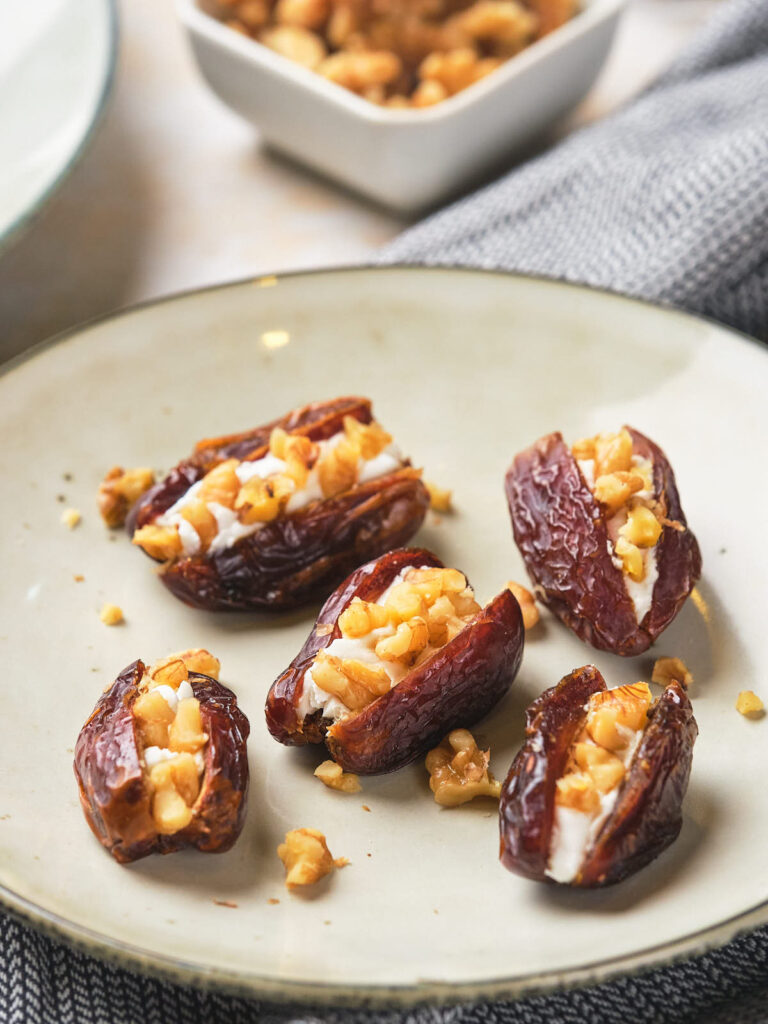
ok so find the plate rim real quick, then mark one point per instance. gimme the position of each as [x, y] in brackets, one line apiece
[379, 995]
[26, 217]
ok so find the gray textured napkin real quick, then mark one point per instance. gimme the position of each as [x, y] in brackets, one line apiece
[666, 199]
[669, 200]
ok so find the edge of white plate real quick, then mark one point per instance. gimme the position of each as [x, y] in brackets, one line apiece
[27, 217]
[426, 990]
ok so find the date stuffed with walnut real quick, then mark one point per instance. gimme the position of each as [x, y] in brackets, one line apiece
[271, 518]
[161, 763]
[401, 654]
[603, 536]
[596, 791]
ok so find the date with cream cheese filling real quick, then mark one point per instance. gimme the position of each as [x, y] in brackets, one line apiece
[267, 519]
[161, 762]
[596, 791]
[603, 536]
[399, 650]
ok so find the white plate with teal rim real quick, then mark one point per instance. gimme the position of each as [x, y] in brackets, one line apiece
[465, 369]
[56, 63]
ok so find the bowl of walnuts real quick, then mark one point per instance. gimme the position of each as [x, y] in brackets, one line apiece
[405, 101]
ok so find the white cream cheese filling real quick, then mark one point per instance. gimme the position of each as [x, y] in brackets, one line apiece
[574, 831]
[231, 530]
[639, 592]
[155, 755]
[313, 698]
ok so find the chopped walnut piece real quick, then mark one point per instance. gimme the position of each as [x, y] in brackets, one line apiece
[334, 777]
[306, 857]
[360, 617]
[613, 453]
[615, 489]
[355, 684]
[198, 659]
[359, 71]
[458, 770]
[613, 715]
[71, 517]
[297, 44]
[527, 603]
[221, 484]
[111, 614]
[439, 497]
[409, 640]
[750, 705]
[305, 13]
[160, 542]
[667, 669]
[120, 490]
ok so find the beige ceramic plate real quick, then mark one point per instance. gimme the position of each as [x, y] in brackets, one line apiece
[466, 369]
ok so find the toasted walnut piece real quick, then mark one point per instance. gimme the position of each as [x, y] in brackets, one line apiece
[613, 716]
[615, 489]
[642, 528]
[257, 501]
[360, 617]
[465, 603]
[186, 777]
[170, 810]
[502, 22]
[297, 44]
[337, 469]
[370, 438]
[169, 671]
[398, 102]
[613, 452]
[237, 26]
[277, 442]
[429, 93]
[160, 542]
[458, 770]
[304, 13]
[186, 729]
[334, 777]
[221, 484]
[154, 716]
[372, 677]
[631, 559]
[119, 490]
[358, 71]
[404, 602]
[202, 520]
[578, 792]
[335, 676]
[604, 768]
[439, 497]
[667, 669]
[408, 642]
[306, 857]
[583, 449]
[527, 603]
[111, 614]
[254, 14]
[198, 659]
[342, 24]
[750, 705]
[454, 70]
[70, 517]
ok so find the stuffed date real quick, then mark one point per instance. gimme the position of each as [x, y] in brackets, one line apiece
[596, 791]
[270, 518]
[161, 763]
[603, 536]
[400, 655]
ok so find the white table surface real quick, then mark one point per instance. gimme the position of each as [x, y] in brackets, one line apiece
[176, 191]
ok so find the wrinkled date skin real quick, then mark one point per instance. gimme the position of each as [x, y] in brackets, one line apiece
[298, 557]
[456, 687]
[647, 815]
[115, 796]
[560, 530]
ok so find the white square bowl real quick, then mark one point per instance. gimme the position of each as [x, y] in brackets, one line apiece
[405, 159]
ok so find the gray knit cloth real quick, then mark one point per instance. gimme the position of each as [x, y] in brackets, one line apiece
[668, 200]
